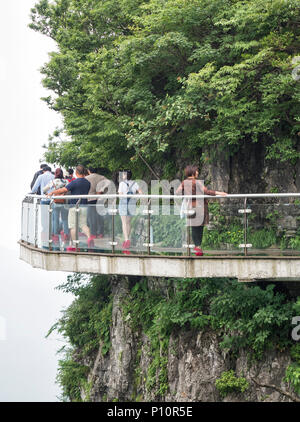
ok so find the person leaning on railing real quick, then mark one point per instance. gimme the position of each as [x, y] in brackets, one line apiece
[79, 186]
[59, 210]
[196, 209]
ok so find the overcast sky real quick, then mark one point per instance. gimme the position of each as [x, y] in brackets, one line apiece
[29, 305]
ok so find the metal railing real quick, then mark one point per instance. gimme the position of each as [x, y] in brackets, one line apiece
[238, 224]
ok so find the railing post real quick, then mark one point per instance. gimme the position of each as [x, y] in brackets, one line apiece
[36, 211]
[148, 212]
[77, 211]
[22, 222]
[113, 242]
[149, 227]
[188, 239]
[245, 211]
[50, 240]
[113, 211]
[27, 223]
[245, 226]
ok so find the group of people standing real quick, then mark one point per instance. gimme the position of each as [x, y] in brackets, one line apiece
[46, 182]
[87, 182]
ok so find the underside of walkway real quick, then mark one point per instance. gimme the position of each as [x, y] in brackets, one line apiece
[244, 268]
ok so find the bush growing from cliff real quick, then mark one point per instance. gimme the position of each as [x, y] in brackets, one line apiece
[229, 383]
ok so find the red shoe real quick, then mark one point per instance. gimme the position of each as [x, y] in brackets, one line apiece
[71, 249]
[64, 237]
[55, 238]
[198, 251]
[90, 242]
[126, 252]
[93, 236]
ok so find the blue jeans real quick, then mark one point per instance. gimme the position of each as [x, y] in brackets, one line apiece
[60, 211]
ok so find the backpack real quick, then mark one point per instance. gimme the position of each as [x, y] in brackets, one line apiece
[129, 192]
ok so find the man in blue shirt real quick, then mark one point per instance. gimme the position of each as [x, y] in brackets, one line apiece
[79, 186]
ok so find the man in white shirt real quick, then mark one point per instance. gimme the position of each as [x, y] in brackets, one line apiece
[40, 183]
[43, 180]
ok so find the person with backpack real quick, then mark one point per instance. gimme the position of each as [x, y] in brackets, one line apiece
[127, 206]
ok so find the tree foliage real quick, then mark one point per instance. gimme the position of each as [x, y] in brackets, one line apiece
[167, 79]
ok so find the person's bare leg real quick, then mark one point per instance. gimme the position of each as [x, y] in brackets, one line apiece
[128, 226]
[124, 226]
[72, 233]
[86, 231]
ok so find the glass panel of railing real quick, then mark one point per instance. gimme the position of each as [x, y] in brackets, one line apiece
[99, 222]
[274, 227]
[24, 221]
[43, 225]
[31, 223]
[224, 227]
[131, 227]
[60, 231]
[168, 231]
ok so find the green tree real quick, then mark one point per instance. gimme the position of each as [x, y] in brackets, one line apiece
[170, 79]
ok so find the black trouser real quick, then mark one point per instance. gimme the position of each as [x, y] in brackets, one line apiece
[94, 220]
[197, 234]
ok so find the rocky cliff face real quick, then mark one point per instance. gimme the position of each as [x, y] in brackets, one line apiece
[194, 363]
[249, 171]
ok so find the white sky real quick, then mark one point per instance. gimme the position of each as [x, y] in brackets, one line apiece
[29, 305]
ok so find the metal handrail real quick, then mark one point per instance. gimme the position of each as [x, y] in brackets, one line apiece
[150, 196]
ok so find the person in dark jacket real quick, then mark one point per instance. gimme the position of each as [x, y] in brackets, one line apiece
[36, 175]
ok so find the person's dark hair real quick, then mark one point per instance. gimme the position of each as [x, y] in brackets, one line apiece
[46, 168]
[81, 170]
[58, 174]
[190, 170]
[42, 166]
[93, 169]
[70, 171]
[128, 173]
